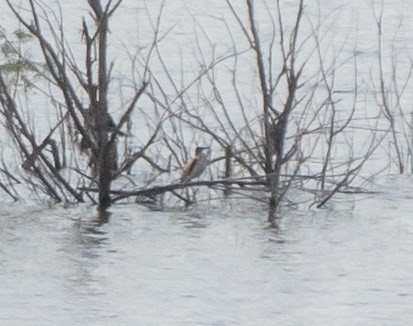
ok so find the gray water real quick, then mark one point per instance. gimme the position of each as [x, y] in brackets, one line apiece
[219, 262]
[216, 264]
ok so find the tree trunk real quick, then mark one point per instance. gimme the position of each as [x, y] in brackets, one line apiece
[103, 163]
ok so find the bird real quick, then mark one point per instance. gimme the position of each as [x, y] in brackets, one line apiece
[193, 169]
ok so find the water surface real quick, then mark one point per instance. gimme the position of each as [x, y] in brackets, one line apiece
[210, 265]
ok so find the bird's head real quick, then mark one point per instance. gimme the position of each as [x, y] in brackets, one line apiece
[199, 150]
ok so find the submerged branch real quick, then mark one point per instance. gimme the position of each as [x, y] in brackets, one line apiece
[122, 194]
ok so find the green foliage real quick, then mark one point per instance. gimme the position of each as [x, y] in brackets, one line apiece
[23, 36]
[16, 63]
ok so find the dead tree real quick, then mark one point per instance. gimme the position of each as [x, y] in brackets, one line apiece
[276, 120]
[91, 119]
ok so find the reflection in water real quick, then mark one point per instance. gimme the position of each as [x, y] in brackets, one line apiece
[193, 219]
[90, 234]
[207, 266]
[82, 249]
[103, 217]
[192, 222]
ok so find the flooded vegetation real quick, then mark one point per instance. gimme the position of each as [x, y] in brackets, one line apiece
[230, 163]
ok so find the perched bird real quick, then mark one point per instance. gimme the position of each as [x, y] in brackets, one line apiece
[193, 169]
